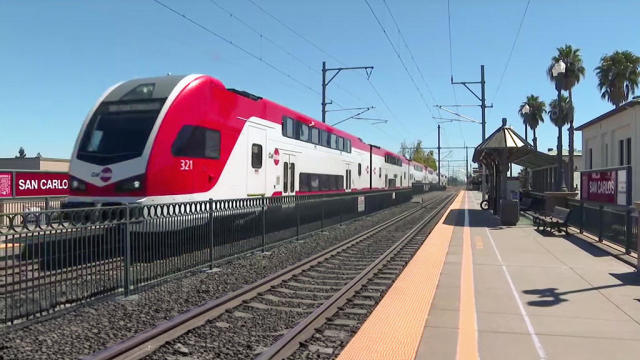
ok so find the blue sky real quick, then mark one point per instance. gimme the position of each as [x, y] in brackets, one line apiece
[59, 56]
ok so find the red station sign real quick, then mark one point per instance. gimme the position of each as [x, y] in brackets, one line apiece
[600, 186]
[6, 185]
[41, 184]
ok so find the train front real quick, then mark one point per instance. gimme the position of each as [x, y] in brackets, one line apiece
[111, 153]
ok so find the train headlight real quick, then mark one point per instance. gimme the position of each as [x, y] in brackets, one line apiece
[77, 184]
[131, 184]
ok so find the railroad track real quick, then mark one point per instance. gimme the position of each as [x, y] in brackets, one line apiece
[308, 292]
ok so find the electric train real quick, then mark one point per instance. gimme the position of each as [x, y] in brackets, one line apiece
[189, 138]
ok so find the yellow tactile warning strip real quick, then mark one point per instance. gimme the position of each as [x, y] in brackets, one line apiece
[467, 323]
[394, 329]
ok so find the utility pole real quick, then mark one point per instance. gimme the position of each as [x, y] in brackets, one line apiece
[466, 162]
[483, 107]
[439, 154]
[367, 69]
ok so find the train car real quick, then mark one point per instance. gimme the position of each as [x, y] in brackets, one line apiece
[189, 138]
[432, 176]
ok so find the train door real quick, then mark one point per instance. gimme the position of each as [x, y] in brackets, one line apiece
[347, 177]
[289, 174]
[257, 169]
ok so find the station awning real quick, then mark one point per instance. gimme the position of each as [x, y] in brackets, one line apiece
[537, 160]
[505, 140]
[518, 150]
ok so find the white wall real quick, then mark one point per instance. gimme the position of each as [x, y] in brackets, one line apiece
[606, 134]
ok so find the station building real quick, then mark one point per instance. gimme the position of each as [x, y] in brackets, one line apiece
[35, 163]
[609, 142]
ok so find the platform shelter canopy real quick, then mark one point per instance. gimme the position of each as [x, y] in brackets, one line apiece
[505, 144]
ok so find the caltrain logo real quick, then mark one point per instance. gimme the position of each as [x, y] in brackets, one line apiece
[276, 156]
[104, 174]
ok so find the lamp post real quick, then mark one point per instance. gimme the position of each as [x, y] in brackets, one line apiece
[525, 111]
[558, 75]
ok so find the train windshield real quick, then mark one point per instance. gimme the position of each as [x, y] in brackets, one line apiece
[118, 132]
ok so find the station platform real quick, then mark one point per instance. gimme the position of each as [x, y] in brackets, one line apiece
[477, 290]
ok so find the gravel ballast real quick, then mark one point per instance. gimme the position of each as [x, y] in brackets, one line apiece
[95, 326]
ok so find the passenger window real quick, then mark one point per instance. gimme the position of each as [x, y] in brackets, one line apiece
[325, 182]
[340, 143]
[359, 169]
[256, 156]
[324, 138]
[197, 142]
[287, 126]
[315, 136]
[334, 141]
[285, 182]
[304, 182]
[303, 132]
[380, 172]
[348, 147]
[293, 178]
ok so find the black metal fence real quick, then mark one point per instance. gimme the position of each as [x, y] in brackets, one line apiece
[56, 258]
[29, 206]
[615, 223]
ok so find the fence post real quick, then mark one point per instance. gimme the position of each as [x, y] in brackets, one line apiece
[210, 230]
[627, 244]
[46, 203]
[600, 222]
[581, 216]
[127, 252]
[322, 214]
[264, 223]
[295, 198]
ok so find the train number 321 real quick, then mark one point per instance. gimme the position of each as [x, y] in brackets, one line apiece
[186, 164]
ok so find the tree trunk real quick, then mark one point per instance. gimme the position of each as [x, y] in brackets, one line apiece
[535, 140]
[526, 138]
[559, 172]
[571, 144]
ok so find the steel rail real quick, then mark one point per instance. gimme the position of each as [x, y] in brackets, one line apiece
[290, 341]
[144, 343]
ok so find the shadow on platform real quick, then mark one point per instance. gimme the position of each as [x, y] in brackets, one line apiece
[551, 296]
[477, 218]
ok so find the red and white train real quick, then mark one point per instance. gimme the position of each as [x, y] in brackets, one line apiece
[187, 138]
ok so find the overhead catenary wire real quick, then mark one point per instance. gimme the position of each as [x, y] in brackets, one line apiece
[513, 46]
[282, 48]
[453, 88]
[395, 50]
[295, 32]
[247, 52]
[317, 47]
[406, 45]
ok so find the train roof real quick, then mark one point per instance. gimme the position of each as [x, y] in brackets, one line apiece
[161, 86]
[274, 112]
[158, 87]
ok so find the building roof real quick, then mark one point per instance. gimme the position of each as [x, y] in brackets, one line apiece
[565, 152]
[608, 114]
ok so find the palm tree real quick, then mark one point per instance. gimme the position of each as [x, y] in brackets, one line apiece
[560, 116]
[618, 76]
[534, 117]
[573, 73]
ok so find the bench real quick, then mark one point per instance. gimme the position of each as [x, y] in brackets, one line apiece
[525, 204]
[558, 220]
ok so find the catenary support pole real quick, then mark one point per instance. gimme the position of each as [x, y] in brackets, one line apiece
[439, 155]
